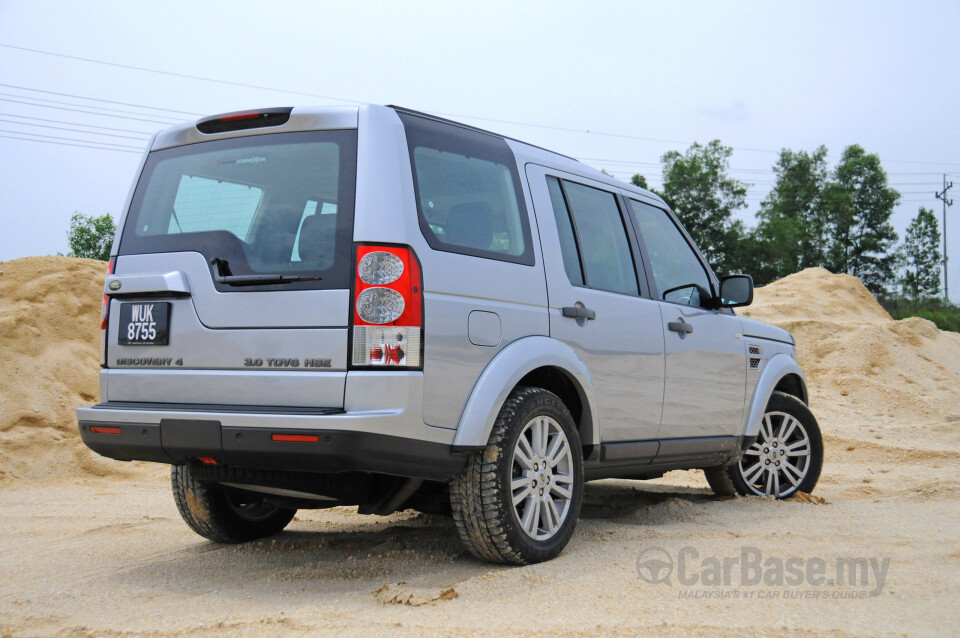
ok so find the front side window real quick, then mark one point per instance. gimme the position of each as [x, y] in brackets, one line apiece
[264, 204]
[677, 271]
[468, 191]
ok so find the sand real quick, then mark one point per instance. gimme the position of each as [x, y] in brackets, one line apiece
[95, 547]
[49, 353]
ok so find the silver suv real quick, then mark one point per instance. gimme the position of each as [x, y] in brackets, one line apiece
[371, 306]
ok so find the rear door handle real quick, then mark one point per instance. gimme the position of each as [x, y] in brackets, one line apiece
[575, 312]
[680, 326]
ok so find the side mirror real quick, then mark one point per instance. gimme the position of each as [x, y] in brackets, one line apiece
[736, 290]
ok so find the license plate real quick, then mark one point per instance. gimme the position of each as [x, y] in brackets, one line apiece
[145, 324]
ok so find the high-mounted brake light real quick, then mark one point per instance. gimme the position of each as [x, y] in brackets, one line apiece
[104, 311]
[388, 308]
[241, 116]
[242, 120]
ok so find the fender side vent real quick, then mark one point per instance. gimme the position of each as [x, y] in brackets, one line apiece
[754, 363]
[754, 350]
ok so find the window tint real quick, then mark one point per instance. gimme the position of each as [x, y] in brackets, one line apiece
[679, 275]
[568, 242]
[265, 204]
[309, 211]
[603, 239]
[208, 204]
[468, 191]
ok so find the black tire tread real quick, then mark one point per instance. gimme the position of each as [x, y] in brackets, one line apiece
[474, 493]
[720, 481]
[203, 506]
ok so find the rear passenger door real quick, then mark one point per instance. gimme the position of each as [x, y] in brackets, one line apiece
[595, 299]
[706, 363]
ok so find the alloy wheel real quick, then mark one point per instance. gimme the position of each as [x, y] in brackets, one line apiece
[542, 478]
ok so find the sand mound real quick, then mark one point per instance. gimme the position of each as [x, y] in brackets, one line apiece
[816, 294]
[49, 344]
[861, 363]
[870, 377]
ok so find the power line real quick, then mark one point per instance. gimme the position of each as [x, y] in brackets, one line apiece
[75, 130]
[584, 131]
[63, 108]
[102, 148]
[177, 75]
[104, 128]
[353, 101]
[70, 139]
[94, 99]
[172, 120]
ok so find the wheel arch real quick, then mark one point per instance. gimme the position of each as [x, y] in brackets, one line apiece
[532, 361]
[780, 374]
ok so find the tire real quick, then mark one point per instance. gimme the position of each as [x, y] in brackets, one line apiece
[785, 459]
[540, 524]
[225, 516]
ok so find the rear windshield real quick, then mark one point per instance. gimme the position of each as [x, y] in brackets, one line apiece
[265, 204]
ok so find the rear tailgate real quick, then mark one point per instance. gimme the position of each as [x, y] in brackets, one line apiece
[285, 348]
[232, 282]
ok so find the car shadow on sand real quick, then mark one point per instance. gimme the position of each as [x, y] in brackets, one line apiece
[359, 553]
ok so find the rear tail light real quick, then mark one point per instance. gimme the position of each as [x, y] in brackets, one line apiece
[104, 312]
[388, 308]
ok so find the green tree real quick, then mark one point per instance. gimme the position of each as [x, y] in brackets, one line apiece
[792, 225]
[639, 180]
[859, 204]
[91, 237]
[921, 257]
[704, 197]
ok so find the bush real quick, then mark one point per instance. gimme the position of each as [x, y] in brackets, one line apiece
[946, 316]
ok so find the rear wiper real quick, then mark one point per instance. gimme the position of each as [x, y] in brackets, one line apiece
[222, 275]
[255, 280]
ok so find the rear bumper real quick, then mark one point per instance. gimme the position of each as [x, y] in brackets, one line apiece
[323, 440]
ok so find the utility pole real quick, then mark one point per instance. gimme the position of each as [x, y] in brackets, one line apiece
[942, 195]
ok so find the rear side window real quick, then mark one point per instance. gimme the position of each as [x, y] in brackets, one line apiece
[264, 204]
[468, 190]
[600, 235]
[568, 241]
[677, 271]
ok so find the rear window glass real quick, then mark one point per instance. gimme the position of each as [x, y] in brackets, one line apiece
[265, 204]
[210, 204]
[468, 191]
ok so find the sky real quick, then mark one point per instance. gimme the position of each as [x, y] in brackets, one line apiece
[614, 84]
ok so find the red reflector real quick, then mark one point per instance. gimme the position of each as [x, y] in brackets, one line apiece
[100, 429]
[298, 438]
[207, 460]
[240, 116]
